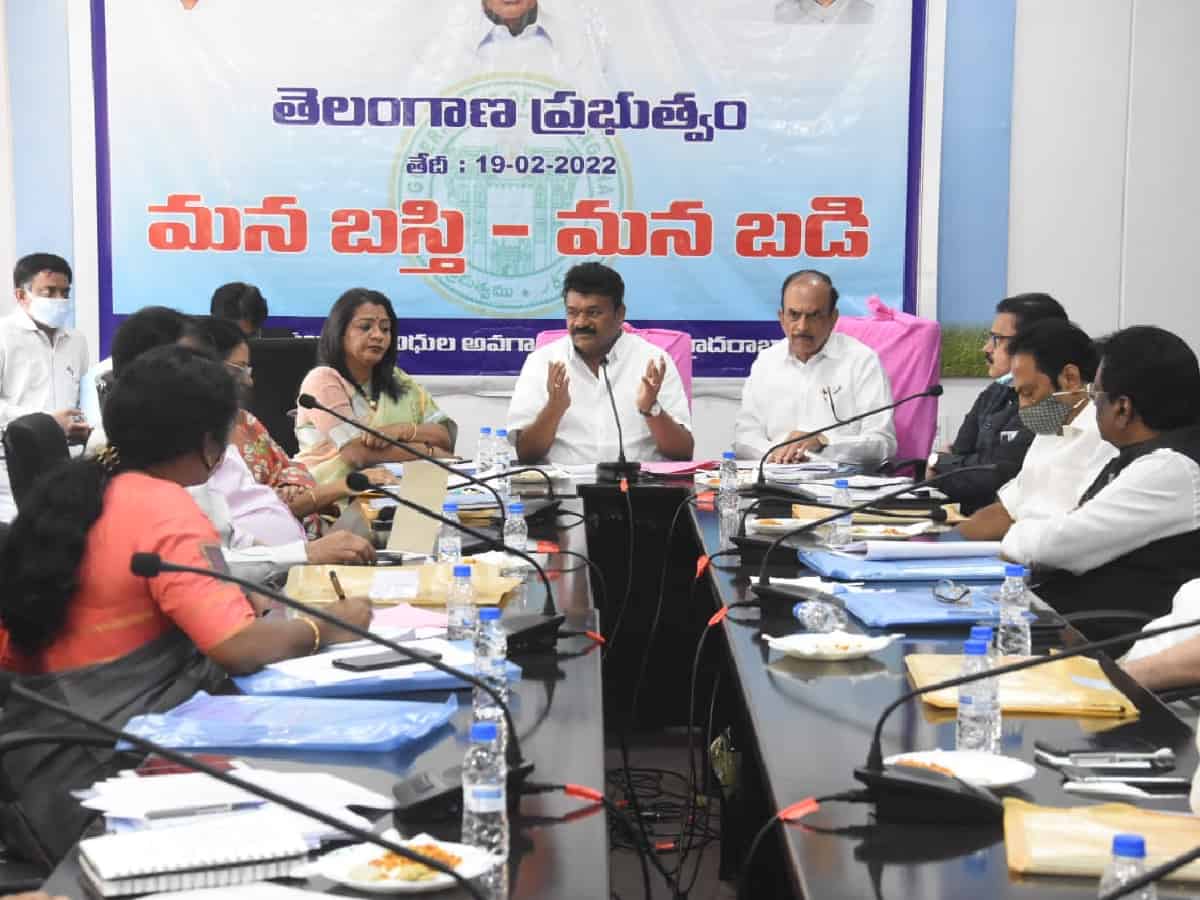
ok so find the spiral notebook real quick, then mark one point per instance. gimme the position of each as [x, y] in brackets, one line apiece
[206, 855]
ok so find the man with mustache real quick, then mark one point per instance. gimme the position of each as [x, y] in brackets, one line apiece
[811, 378]
[560, 410]
[992, 431]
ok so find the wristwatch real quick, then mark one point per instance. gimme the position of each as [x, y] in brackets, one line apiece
[654, 410]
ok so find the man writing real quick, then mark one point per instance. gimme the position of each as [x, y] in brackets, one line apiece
[811, 378]
[560, 409]
[1052, 364]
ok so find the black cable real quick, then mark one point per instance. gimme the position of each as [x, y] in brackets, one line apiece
[612, 636]
[708, 800]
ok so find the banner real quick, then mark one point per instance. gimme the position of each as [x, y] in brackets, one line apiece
[461, 156]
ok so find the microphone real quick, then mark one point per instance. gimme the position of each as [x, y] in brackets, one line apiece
[613, 472]
[148, 565]
[764, 579]
[933, 391]
[308, 401]
[908, 794]
[525, 632]
[9, 687]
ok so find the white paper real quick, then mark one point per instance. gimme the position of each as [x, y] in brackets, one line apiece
[394, 583]
[881, 550]
[260, 890]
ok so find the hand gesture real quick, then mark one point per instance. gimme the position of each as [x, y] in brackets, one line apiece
[797, 451]
[340, 547]
[557, 388]
[74, 426]
[355, 610]
[651, 384]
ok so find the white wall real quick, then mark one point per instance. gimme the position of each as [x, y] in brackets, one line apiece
[8, 242]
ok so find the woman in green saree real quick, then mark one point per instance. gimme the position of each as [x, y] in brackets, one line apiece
[357, 377]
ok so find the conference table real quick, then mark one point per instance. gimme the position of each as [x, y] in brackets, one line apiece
[559, 844]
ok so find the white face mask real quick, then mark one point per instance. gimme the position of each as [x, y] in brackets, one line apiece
[50, 311]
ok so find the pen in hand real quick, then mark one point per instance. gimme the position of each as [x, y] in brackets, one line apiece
[337, 586]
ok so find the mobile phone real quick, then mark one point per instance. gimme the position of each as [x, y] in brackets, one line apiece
[388, 660]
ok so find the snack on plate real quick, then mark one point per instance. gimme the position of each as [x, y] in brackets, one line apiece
[393, 867]
[770, 523]
[921, 764]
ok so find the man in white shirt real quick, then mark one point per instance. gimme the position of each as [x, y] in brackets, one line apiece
[1052, 363]
[811, 378]
[1134, 539]
[41, 360]
[824, 12]
[560, 409]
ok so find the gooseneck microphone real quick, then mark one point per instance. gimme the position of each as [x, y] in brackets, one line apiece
[149, 565]
[933, 391]
[921, 795]
[764, 579]
[8, 687]
[308, 401]
[613, 472]
[524, 631]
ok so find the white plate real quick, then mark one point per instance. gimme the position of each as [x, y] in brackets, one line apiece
[755, 525]
[831, 645]
[341, 865]
[974, 766]
[889, 532]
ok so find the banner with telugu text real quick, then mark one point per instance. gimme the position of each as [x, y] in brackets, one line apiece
[460, 156]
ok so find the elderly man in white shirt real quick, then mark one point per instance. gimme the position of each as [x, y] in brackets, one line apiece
[560, 409]
[812, 378]
[1052, 363]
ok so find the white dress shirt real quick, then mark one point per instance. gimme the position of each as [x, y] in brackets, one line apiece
[587, 432]
[844, 378]
[36, 374]
[1057, 470]
[1184, 607]
[1154, 497]
[89, 393]
[810, 12]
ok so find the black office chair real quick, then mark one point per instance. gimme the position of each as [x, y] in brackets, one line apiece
[279, 367]
[33, 444]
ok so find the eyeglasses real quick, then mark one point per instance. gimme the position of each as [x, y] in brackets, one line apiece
[995, 339]
[947, 591]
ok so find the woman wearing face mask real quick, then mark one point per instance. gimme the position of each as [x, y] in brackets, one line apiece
[357, 377]
[81, 627]
[267, 461]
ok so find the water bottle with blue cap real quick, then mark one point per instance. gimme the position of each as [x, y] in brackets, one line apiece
[460, 605]
[1128, 862]
[491, 654]
[485, 804]
[1013, 637]
[978, 724]
[839, 533]
[820, 617]
[449, 543]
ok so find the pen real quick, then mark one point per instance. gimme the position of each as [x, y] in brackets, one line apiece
[337, 585]
[202, 810]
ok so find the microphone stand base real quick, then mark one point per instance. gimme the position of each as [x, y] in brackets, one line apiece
[613, 472]
[531, 632]
[437, 796]
[911, 794]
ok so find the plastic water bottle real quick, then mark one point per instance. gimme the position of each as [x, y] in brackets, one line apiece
[1013, 638]
[516, 535]
[819, 616]
[1128, 862]
[501, 461]
[839, 533]
[460, 605]
[485, 806]
[491, 653]
[449, 543]
[978, 705]
[984, 633]
[483, 451]
[727, 489]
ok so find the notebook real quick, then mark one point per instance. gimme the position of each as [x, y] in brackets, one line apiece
[206, 855]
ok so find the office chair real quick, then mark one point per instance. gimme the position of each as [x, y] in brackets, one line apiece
[33, 444]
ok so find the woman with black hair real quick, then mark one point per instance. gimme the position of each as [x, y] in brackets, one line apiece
[67, 595]
[357, 376]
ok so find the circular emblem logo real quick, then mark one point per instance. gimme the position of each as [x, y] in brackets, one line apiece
[510, 177]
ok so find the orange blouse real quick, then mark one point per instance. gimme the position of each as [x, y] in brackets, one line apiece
[114, 611]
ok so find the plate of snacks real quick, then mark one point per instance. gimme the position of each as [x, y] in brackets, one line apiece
[373, 870]
[831, 645]
[975, 767]
[773, 526]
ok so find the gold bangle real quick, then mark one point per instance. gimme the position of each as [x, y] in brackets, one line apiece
[312, 495]
[412, 437]
[316, 633]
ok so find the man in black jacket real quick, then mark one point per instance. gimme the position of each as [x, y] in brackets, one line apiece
[992, 432]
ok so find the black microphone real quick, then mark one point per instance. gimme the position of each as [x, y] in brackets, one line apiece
[308, 401]
[765, 580]
[909, 794]
[610, 472]
[525, 632]
[934, 391]
[8, 687]
[148, 565]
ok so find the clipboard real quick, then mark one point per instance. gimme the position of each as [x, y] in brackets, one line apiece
[425, 485]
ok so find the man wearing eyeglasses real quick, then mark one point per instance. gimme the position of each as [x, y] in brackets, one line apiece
[1053, 363]
[1133, 540]
[992, 432]
[560, 409]
[813, 377]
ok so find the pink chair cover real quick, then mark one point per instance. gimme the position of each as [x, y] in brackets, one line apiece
[910, 349]
[677, 344]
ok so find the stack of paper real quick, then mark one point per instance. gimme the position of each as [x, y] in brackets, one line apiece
[132, 803]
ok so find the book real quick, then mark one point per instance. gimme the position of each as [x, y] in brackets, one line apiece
[204, 855]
